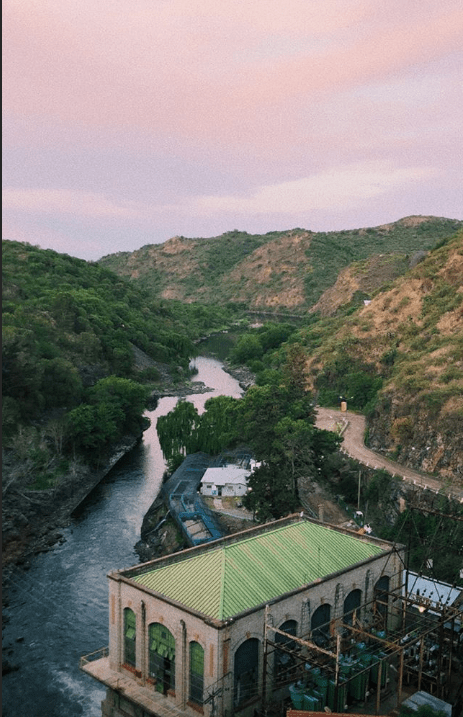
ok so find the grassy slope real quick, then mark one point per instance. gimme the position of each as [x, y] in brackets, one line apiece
[279, 270]
[411, 335]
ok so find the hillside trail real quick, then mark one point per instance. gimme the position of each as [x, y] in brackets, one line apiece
[354, 446]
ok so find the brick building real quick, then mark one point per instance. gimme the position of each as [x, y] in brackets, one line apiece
[187, 631]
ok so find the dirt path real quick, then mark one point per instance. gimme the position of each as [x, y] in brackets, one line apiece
[353, 445]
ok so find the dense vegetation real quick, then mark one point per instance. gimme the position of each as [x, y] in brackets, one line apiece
[276, 422]
[72, 384]
[70, 334]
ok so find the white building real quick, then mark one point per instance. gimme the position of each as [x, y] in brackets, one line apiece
[225, 481]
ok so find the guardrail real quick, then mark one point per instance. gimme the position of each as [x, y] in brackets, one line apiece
[92, 656]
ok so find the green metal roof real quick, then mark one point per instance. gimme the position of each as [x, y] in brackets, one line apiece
[239, 576]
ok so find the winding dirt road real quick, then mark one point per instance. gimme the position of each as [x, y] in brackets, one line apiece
[353, 445]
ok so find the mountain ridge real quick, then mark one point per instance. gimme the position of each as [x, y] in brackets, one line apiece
[284, 270]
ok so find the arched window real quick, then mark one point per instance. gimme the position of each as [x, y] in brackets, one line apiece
[284, 662]
[246, 671]
[351, 603]
[130, 634]
[196, 673]
[381, 595]
[161, 646]
[320, 624]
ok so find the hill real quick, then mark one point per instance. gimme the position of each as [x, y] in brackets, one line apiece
[400, 359]
[81, 347]
[282, 271]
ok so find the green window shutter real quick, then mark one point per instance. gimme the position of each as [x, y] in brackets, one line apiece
[130, 634]
[161, 657]
[130, 621]
[196, 658]
[196, 673]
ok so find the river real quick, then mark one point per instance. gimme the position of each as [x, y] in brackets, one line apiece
[58, 608]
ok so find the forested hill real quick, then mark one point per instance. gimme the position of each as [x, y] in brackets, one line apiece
[296, 270]
[70, 334]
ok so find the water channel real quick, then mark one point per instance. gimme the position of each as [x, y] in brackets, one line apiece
[58, 608]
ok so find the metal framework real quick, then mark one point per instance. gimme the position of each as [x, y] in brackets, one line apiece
[406, 639]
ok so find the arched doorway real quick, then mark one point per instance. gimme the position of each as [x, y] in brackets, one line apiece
[161, 645]
[320, 625]
[351, 604]
[284, 662]
[246, 671]
[381, 597]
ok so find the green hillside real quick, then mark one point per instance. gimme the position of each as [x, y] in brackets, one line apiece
[287, 270]
[399, 359]
[73, 334]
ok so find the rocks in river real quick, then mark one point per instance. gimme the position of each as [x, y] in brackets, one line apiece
[186, 389]
[242, 374]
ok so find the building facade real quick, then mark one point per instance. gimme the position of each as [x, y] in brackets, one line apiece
[187, 632]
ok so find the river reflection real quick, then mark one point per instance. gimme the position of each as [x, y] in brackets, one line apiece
[59, 607]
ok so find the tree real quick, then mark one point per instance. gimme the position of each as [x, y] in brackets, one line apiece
[295, 369]
[115, 406]
[127, 396]
[217, 425]
[60, 382]
[278, 423]
[295, 441]
[268, 496]
[177, 430]
[247, 347]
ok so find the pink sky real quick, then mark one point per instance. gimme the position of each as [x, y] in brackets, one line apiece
[126, 123]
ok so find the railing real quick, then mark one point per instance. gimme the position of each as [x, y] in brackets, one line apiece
[95, 655]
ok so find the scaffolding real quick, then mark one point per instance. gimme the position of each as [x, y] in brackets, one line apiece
[364, 657]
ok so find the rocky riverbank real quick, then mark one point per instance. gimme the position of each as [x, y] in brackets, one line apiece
[32, 519]
[160, 535]
[242, 374]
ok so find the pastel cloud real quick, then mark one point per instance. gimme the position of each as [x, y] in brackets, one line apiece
[62, 201]
[340, 188]
[204, 69]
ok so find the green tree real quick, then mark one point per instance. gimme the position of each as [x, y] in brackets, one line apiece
[268, 496]
[294, 370]
[248, 348]
[114, 407]
[61, 384]
[128, 396]
[217, 425]
[177, 430]
[294, 440]
[278, 423]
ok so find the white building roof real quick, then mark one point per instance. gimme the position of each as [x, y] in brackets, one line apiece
[226, 475]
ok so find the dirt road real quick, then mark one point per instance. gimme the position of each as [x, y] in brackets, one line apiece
[353, 445]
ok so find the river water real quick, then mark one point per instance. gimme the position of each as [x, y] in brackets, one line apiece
[58, 608]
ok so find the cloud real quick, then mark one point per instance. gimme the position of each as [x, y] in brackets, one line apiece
[337, 188]
[215, 71]
[62, 201]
